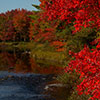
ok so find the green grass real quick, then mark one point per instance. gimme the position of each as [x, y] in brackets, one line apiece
[52, 57]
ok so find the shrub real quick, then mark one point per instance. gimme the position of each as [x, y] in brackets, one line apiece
[86, 64]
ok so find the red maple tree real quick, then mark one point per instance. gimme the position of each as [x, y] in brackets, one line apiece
[79, 12]
[87, 65]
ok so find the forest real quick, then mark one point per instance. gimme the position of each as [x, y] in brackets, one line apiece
[65, 31]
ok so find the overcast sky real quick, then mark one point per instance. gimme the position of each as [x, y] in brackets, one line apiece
[6, 5]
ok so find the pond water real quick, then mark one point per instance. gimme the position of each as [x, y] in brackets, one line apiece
[22, 78]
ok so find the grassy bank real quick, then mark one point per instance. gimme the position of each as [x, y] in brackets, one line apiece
[52, 57]
[20, 45]
[40, 52]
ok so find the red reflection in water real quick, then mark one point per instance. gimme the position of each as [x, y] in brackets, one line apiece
[6, 61]
[45, 70]
[22, 62]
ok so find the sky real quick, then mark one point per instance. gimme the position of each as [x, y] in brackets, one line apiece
[6, 5]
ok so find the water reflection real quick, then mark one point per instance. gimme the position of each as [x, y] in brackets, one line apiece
[24, 63]
[21, 62]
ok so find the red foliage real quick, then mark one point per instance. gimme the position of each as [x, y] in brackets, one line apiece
[41, 29]
[58, 45]
[87, 65]
[14, 23]
[6, 26]
[21, 23]
[81, 12]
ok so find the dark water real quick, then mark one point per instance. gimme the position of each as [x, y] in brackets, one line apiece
[21, 78]
[22, 86]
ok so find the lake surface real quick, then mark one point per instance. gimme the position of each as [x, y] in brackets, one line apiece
[22, 78]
